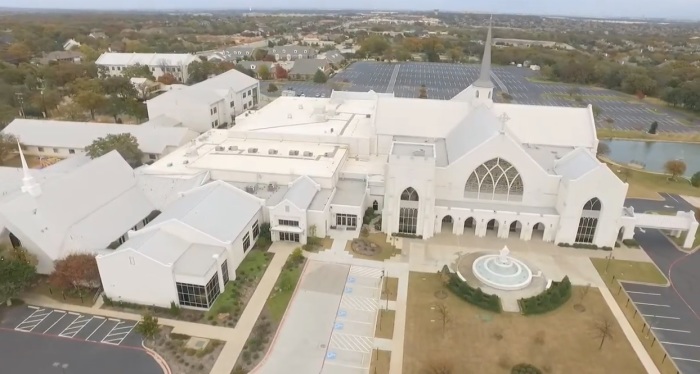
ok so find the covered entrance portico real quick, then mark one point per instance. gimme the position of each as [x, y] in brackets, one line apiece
[498, 220]
[676, 224]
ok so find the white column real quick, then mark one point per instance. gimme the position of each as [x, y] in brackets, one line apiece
[526, 232]
[690, 236]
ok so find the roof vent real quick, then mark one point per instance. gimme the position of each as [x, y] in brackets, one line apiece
[289, 115]
[252, 150]
[308, 154]
[301, 106]
[219, 148]
[294, 152]
[271, 151]
[170, 164]
[185, 162]
[368, 116]
[420, 152]
[328, 154]
[250, 189]
[232, 147]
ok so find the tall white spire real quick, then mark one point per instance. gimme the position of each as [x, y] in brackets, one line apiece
[484, 80]
[29, 185]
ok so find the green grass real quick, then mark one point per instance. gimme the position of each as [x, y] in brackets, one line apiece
[680, 240]
[645, 185]
[634, 271]
[252, 267]
[606, 133]
[279, 299]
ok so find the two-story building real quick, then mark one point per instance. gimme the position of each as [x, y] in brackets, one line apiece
[291, 52]
[211, 104]
[176, 64]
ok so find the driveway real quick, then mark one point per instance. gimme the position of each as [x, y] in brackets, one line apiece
[33, 339]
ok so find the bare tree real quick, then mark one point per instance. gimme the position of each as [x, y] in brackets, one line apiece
[602, 328]
[439, 366]
[444, 315]
[583, 291]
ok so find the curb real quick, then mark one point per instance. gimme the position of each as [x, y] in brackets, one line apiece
[158, 358]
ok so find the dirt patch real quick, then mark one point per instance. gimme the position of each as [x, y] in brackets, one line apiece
[380, 362]
[383, 249]
[364, 247]
[390, 288]
[385, 324]
[562, 341]
[184, 360]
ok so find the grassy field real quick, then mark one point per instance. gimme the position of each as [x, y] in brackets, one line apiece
[386, 249]
[475, 341]
[605, 133]
[646, 185]
[635, 271]
[380, 362]
[278, 301]
[681, 239]
[385, 324]
[635, 318]
[390, 288]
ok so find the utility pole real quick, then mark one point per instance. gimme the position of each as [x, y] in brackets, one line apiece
[20, 101]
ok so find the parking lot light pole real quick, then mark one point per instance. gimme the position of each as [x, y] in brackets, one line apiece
[63, 366]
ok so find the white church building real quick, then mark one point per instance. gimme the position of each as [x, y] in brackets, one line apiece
[312, 166]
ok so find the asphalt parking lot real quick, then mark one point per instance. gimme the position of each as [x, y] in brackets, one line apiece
[444, 80]
[87, 343]
[672, 322]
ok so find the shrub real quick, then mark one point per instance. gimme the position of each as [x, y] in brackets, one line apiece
[695, 179]
[630, 243]
[525, 369]
[176, 336]
[552, 298]
[174, 309]
[474, 296]
[364, 231]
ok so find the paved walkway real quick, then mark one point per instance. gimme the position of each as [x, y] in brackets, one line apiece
[234, 338]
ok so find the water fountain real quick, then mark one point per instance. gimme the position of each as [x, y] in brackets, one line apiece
[502, 271]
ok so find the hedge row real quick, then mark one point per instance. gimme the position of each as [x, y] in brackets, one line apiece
[552, 298]
[584, 246]
[474, 296]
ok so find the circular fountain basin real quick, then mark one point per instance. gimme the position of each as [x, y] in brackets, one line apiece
[508, 274]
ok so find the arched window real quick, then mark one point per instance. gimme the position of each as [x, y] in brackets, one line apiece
[375, 205]
[409, 194]
[592, 204]
[495, 179]
[588, 223]
[477, 94]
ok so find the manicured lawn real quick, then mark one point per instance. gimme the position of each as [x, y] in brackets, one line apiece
[380, 362]
[236, 294]
[635, 271]
[390, 288]
[681, 239]
[604, 133]
[562, 341]
[386, 250]
[385, 324]
[647, 185]
[279, 299]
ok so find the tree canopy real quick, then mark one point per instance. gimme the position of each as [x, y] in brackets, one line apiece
[77, 271]
[126, 144]
[16, 272]
[675, 167]
[320, 77]
[8, 145]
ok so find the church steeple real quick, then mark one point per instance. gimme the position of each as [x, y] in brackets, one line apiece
[484, 80]
[29, 185]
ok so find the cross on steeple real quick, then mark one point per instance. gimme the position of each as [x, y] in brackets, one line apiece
[504, 119]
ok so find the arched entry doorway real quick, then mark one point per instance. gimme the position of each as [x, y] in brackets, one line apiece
[447, 225]
[469, 225]
[538, 231]
[620, 234]
[492, 227]
[375, 206]
[408, 211]
[515, 229]
[16, 243]
[588, 223]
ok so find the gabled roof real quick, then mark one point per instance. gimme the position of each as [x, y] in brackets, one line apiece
[308, 66]
[162, 190]
[79, 135]
[217, 209]
[576, 164]
[301, 192]
[210, 90]
[150, 59]
[82, 210]
[473, 130]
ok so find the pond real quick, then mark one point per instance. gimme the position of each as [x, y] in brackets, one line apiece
[653, 155]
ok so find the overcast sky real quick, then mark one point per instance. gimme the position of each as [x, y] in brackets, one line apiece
[684, 9]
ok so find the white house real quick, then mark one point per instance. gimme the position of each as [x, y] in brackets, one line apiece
[213, 103]
[177, 64]
[188, 253]
[466, 166]
[70, 44]
[61, 139]
[84, 206]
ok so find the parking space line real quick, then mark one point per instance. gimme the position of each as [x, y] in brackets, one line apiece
[645, 293]
[115, 337]
[674, 330]
[32, 307]
[75, 327]
[33, 320]
[667, 317]
[94, 331]
[54, 324]
[685, 359]
[681, 344]
[661, 305]
[345, 365]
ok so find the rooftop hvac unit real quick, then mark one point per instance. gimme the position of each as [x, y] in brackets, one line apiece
[289, 116]
[185, 162]
[308, 154]
[301, 106]
[249, 189]
[272, 152]
[420, 152]
[232, 147]
[272, 187]
[294, 153]
[170, 164]
[368, 116]
[252, 150]
[219, 148]
[328, 154]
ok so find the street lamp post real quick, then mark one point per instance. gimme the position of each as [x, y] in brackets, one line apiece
[62, 366]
